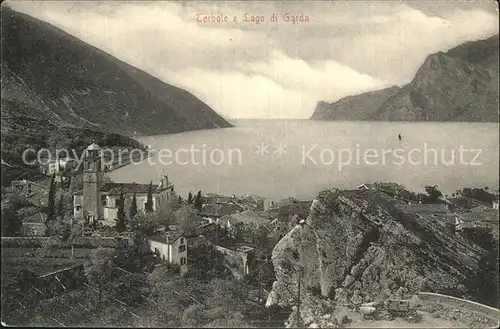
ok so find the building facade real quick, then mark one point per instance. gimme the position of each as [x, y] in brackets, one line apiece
[99, 201]
[279, 227]
[171, 247]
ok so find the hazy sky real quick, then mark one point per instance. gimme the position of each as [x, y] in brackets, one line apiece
[273, 70]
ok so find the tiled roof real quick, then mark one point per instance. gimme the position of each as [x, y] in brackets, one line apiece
[117, 188]
[219, 210]
[248, 217]
[212, 195]
[166, 237]
[252, 199]
[369, 186]
[128, 188]
[210, 209]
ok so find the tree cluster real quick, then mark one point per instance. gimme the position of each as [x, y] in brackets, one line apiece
[207, 262]
[197, 200]
[187, 219]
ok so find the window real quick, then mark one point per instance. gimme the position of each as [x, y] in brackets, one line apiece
[78, 208]
[103, 200]
[182, 240]
[182, 248]
[183, 261]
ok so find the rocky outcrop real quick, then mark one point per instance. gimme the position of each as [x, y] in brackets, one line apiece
[353, 108]
[357, 246]
[459, 85]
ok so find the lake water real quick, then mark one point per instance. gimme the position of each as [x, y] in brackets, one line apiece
[319, 155]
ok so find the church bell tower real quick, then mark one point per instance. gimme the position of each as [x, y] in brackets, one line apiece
[92, 182]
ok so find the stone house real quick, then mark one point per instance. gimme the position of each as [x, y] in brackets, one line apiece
[171, 247]
[240, 261]
[60, 167]
[279, 228]
[367, 187]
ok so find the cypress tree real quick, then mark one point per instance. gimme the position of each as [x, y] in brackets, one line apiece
[51, 199]
[190, 198]
[121, 222]
[60, 207]
[148, 207]
[197, 201]
[133, 208]
[68, 183]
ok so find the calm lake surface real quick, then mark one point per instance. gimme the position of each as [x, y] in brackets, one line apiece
[319, 155]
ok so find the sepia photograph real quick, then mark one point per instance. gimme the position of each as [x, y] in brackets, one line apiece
[250, 164]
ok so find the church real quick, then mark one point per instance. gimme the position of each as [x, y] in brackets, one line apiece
[98, 201]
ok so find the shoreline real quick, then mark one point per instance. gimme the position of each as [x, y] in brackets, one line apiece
[128, 162]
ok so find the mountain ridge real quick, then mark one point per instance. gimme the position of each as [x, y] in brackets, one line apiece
[60, 93]
[89, 88]
[460, 84]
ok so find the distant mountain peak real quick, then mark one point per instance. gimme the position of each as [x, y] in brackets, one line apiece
[458, 85]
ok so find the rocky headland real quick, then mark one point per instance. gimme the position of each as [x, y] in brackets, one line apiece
[458, 85]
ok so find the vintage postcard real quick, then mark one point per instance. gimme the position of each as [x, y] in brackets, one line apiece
[267, 164]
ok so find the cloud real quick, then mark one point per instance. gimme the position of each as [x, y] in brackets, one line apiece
[395, 49]
[271, 69]
[280, 87]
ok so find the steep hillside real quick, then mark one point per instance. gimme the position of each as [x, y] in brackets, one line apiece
[358, 247]
[353, 108]
[446, 88]
[58, 76]
[459, 85]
